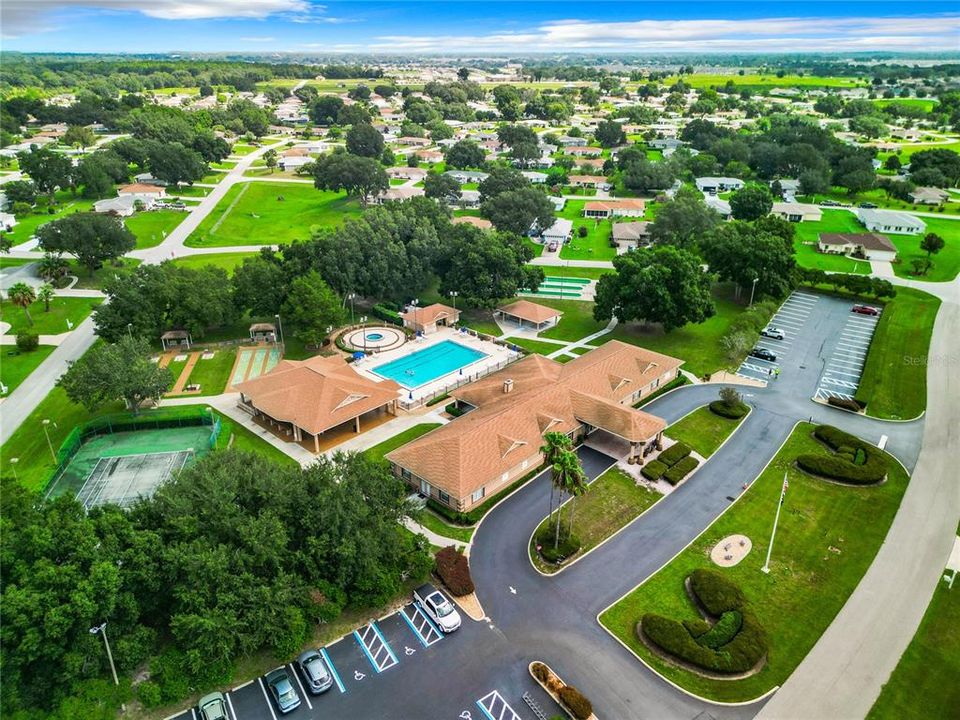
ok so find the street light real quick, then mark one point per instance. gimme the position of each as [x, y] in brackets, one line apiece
[414, 304]
[363, 332]
[13, 466]
[130, 329]
[279, 327]
[753, 289]
[46, 424]
[102, 629]
[350, 297]
[454, 294]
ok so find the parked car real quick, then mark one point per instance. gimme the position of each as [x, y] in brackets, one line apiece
[282, 690]
[552, 247]
[830, 203]
[435, 604]
[213, 707]
[763, 354]
[868, 206]
[865, 310]
[315, 671]
[773, 332]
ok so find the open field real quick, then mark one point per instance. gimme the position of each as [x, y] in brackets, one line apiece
[946, 263]
[27, 225]
[576, 322]
[879, 198]
[827, 538]
[54, 322]
[906, 151]
[152, 227]
[926, 104]
[96, 281]
[16, 366]
[704, 80]
[227, 261]
[253, 214]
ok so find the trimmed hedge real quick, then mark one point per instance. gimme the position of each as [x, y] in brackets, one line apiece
[567, 547]
[453, 409]
[854, 461]
[579, 705]
[735, 412]
[845, 403]
[653, 470]
[674, 454]
[385, 313]
[681, 469]
[454, 570]
[734, 644]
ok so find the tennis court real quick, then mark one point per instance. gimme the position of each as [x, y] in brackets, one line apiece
[124, 466]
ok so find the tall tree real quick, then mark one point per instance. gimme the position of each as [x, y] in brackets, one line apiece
[45, 294]
[517, 210]
[485, 267]
[361, 176]
[311, 307]
[683, 221]
[23, 296]
[609, 133]
[364, 140]
[441, 187]
[173, 163]
[465, 154]
[260, 284]
[324, 110]
[90, 237]
[79, 136]
[751, 203]
[554, 443]
[48, 169]
[740, 253]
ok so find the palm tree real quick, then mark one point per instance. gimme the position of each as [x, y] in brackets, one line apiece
[52, 267]
[45, 295]
[22, 295]
[567, 473]
[554, 444]
[578, 486]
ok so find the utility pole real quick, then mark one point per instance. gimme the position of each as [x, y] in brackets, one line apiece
[350, 297]
[753, 289]
[776, 519]
[102, 629]
[279, 328]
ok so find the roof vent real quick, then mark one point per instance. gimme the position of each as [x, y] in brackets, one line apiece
[508, 385]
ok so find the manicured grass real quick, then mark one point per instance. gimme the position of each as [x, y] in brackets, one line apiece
[380, 450]
[702, 430]
[212, 179]
[480, 320]
[47, 323]
[880, 198]
[227, 261]
[576, 272]
[612, 502]
[923, 103]
[252, 214]
[244, 439]
[96, 281]
[576, 322]
[705, 80]
[596, 245]
[224, 165]
[27, 225]
[946, 263]
[894, 381]
[907, 151]
[826, 539]
[15, 366]
[834, 221]
[9, 262]
[190, 191]
[242, 149]
[211, 375]
[920, 686]
[152, 227]
[534, 346]
[433, 522]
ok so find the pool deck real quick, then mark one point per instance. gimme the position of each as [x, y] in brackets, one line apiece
[496, 356]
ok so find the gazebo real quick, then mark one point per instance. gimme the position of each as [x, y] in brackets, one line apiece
[263, 332]
[540, 317]
[176, 340]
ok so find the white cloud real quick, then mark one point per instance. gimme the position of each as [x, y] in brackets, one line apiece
[257, 39]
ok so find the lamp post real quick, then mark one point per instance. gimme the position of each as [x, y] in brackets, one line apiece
[279, 327]
[454, 294]
[130, 330]
[363, 332]
[414, 304]
[102, 629]
[753, 289]
[46, 424]
[13, 466]
[350, 297]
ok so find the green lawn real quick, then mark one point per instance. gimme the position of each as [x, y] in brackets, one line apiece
[480, 320]
[880, 198]
[613, 501]
[96, 281]
[906, 151]
[244, 439]
[189, 191]
[212, 375]
[827, 537]
[946, 263]
[227, 261]
[152, 227]
[224, 165]
[433, 522]
[576, 322]
[894, 381]
[26, 226]
[253, 214]
[576, 272]
[920, 687]
[379, 451]
[834, 221]
[702, 430]
[705, 80]
[10, 262]
[47, 323]
[926, 104]
[596, 245]
[242, 149]
[212, 179]
[534, 346]
[15, 366]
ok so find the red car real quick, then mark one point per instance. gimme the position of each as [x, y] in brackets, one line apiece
[865, 310]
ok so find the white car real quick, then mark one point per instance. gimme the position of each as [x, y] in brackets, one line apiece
[773, 332]
[435, 604]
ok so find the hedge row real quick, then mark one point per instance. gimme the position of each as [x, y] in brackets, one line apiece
[846, 404]
[674, 454]
[385, 313]
[454, 570]
[853, 461]
[453, 409]
[734, 644]
[681, 469]
[734, 412]
[567, 547]
[575, 700]
[653, 470]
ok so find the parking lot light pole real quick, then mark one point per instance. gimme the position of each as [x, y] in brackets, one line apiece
[752, 290]
[279, 328]
[13, 467]
[414, 303]
[453, 295]
[363, 332]
[46, 424]
[350, 297]
[102, 629]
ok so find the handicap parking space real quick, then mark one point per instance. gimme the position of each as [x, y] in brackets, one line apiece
[494, 707]
[790, 318]
[426, 632]
[843, 369]
[375, 647]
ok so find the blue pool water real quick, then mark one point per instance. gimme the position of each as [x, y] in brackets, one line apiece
[423, 366]
[374, 336]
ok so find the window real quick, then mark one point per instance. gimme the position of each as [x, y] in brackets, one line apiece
[444, 497]
[478, 494]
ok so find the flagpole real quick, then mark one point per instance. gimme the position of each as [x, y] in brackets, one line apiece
[776, 519]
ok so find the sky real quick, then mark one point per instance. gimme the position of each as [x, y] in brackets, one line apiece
[479, 27]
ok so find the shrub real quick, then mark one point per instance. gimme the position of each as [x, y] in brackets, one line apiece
[568, 545]
[731, 412]
[453, 409]
[385, 313]
[575, 700]
[844, 403]
[149, 694]
[854, 461]
[653, 470]
[679, 471]
[723, 631]
[715, 592]
[674, 454]
[453, 569]
[27, 341]
[540, 671]
[697, 627]
[583, 231]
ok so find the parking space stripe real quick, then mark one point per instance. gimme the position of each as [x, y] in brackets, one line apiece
[267, 699]
[385, 643]
[306, 695]
[413, 629]
[230, 703]
[193, 713]
[489, 702]
[333, 670]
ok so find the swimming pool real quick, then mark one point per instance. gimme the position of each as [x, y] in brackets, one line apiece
[423, 366]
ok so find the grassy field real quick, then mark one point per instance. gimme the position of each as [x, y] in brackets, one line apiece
[702, 430]
[576, 272]
[227, 261]
[706, 80]
[834, 221]
[907, 151]
[96, 281]
[252, 214]
[535, 346]
[613, 501]
[576, 322]
[152, 227]
[826, 539]
[596, 245]
[920, 686]
[946, 263]
[379, 451]
[15, 366]
[27, 225]
[9, 262]
[244, 439]
[926, 104]
[894, 381]
[54, 322]
[211, 375]
[880, 198]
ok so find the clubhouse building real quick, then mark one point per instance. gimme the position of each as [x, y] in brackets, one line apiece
[498, 438]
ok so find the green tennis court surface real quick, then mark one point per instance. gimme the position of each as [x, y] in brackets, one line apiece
[565, 287]
[121, 467]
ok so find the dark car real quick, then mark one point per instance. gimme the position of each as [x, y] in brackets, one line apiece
[865, 310]
[315, 672]
[868, 206]
[763, 354]
[282, 690]
[830, 203]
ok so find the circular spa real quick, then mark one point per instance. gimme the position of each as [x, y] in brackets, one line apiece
[374, 339]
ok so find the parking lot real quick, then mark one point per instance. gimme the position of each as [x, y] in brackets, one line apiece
[790, 318]
[403, 666]
[842, 371]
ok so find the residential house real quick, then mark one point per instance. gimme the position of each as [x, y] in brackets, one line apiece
[714, 185]
[569, 141]
[560, 232]
[498, 439]
[583, 151]
[467, 176]
[148, 194]
[534, 178]
[430, 156]
[293, 158]
[797, 212]
[397, 194]
[589, 181]
[603, 209]
[630, 235]
[467, 199]
[407, 173]
[414, 141]
[869, 246]
[890, 221]
[928, 196]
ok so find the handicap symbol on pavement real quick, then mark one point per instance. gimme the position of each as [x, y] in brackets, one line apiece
[465, 715]
[357, 675]
[408, 650]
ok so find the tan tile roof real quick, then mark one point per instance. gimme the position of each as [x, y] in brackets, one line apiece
[471, 220]
[628, 204]
[530, 311]
[507, 428]
[576, 150]
[587, 179]
[316, 394]
[139, 189]
[430, 314]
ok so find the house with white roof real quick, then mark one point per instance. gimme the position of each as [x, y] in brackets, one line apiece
[713, 185]
[890, 221]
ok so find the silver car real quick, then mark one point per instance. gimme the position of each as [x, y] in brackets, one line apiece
[315, 672]
[213, 707]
